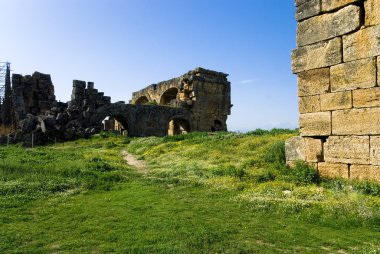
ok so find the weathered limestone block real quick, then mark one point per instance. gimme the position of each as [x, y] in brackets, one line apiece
[347, 149]
[308, 9]
[299, 2]
[365, 172]
[353, 75]
[328, 26]
[364, 121]
[332, 170]
[329, 5]
[365, 98]
[316, 56]
[315, 124]
[309, 104]
[304, 149]
[361, 44]
[334, 101]
[295, 149]
[374, 142]
[378, 71]
[314, 82]
[372, 12]
[313, 150]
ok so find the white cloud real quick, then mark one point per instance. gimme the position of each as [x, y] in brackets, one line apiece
[247, 81]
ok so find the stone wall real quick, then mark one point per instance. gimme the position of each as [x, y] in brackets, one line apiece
[337, 61]
[32, 94]
[205, 93]
[87, 96]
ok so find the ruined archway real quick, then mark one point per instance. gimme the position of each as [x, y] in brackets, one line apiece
[218, 126]
[115, 124]
[178, 126]
[169, 97]
[142, 100]
[111, 117]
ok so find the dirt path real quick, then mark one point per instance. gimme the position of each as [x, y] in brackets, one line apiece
[134, 162]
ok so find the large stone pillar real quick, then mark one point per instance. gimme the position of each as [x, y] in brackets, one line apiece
[337, 61]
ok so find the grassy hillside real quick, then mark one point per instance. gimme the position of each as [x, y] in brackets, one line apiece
[222, 193]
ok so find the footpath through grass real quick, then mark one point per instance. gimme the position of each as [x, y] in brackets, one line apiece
[223, 193]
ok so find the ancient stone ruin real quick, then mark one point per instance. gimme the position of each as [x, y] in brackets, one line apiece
[337, 62]
[196, 101]
[205, 94]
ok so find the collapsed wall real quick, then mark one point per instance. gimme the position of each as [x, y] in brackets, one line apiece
[337, 61]
[32, 94]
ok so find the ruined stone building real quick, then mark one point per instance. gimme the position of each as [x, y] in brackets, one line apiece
[196, 101]
[205, 94]
[337, 61]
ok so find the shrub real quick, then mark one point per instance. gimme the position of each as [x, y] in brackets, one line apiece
[276, 153]
[302, 174]
[99, 164]
[266, 176]
[365, 187]
[230, 170]
[275, 131]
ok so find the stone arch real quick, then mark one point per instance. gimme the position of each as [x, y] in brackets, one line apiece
[169, 96]
[178, 126]
[115, 111]
[218, 125]
[115, 123]
[142, 100]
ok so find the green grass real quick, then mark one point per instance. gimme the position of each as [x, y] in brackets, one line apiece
[222, 193]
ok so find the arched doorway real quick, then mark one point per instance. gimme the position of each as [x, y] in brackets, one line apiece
[142, 100]
[115, 124]
[169, 97]
[178, 127]
[218, 126]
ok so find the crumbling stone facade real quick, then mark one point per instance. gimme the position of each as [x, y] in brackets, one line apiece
[337, 61]
[181, 108]
[32, 94]
[205, 94]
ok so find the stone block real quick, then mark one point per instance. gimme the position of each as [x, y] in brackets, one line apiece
[319, 55]
[361, 44]
[374, 142]
[308, 9]
[328, 26]
[313, 150]
[303, 149]
[315, 124]
[79, 84]
[353, 75]
[347, 149]
[314, 82]
[365, 121]
[378, 71]
[295, 149]
[90, 85]
[309, 104]
[365, 98]
[333, 170]
[334, 101]
[299, 2]
[329, 5]
[372, 12]
[365, 172]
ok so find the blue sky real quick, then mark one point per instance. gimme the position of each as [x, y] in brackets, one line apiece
[125, 45]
